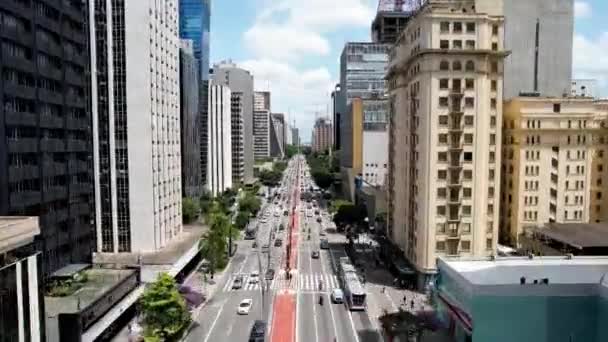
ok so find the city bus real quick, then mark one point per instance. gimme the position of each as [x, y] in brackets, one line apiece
[354, 294]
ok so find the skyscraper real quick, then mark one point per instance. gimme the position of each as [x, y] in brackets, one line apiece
[321, 135]
[219, 174]
[238, 159]
[45, 125]
[136, 125]
[194, 24]
[261, 124]
[240, 80]
[190, 130]
[277, 135]
[445, 137]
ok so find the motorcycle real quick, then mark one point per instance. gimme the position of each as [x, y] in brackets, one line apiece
[321, 300]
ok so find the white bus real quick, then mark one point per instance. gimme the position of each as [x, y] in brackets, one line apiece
[354, 294]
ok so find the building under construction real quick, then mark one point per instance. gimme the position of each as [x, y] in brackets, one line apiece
[391, 18]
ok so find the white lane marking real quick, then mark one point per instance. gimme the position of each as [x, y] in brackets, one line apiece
[352, 324]
[331, 310]
[214, 322]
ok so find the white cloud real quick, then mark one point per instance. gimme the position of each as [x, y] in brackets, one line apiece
[590, 60]
[297, 92]
[582, 9]
[283, 42]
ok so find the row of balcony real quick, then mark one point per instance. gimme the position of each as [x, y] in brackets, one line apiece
[18, 173]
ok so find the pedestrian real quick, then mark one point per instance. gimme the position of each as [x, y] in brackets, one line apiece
[412, 303]
[383, 289]
[404, 299]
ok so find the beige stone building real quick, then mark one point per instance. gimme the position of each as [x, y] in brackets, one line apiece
[553, 163]
[445, 79]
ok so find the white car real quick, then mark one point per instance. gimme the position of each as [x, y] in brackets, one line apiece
[337, 296]
[244, 307]
[254, 277]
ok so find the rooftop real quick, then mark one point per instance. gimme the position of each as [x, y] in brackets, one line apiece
[17, 231]
[509, 270]
[578, 235]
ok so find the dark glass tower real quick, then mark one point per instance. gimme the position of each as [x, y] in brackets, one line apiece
[194, 24]
[45, 125]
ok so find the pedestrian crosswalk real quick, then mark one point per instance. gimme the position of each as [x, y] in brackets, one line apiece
[302, 282]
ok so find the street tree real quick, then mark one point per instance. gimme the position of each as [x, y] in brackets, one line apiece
[250, 203]
[163, 309]
[190, 210]
[323, 179]
[241, 220]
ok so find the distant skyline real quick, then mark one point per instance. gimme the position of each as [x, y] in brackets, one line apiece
[293, 47]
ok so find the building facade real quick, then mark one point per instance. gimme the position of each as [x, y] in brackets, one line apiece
[540, 38]
[190, 120]
[261, 100]
[295, 136]
[194, 25]
[336, 116]
[321, 135]
[45, 125]
[240, 80]
[553, 163]
[136, 125]
[21, 298]
[261, 134]
[238, 162]
[445, 80]
[277, 135]
[219, 174]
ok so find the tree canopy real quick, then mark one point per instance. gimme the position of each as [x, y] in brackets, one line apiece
[350, 214]
[323, 179]
[190, 210]
[164, 310]
[250, 203]
[290, 151]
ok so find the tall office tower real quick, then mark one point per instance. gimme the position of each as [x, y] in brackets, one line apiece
[539, 35]
[553, 170]
[288, 136]
[240, 80]
[194, 24]
[219, 174]
[261, 100]
[261, 134]
[190, 129]
[45, 150]
[445, 140]
[277, 135]
[238, 162]
[321, 135]
[337, 112]
[295, 136]
[261, 125]
[136, 125]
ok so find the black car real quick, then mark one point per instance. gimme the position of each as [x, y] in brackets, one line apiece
[319, 219]
[316, 212]
[324, 244]
[269, 274]
[315, 255]
[281, 227]
[278, 242]
[258, 331]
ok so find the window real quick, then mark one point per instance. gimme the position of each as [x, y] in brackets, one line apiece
[444, 44]
[442, 156]
[493, 103]
[443, 83]
[468, 138]
[441, 210]
[444, 65]
[494, 30]
[493, 85]
[443, 120]
[598, 195]
[489, 244]
[492, 139]
[470, 66]
[466, 210]
[557, 108]
[468, 156]
[457, 27]
[470, 44]
[440, 228]
[466, 193]
[443, 101]
[494, 67]
[469, 102]
[470, 27]
[465, 245]
[469, 83]
[468, 175]
[456, 66]
[440, 246]
[468, 120]
[494, 46]
[493, 121]
[457, 44]
[443, 138]
[444, 27]
[441, 192]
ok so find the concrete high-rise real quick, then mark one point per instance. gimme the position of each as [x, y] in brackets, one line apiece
[190, 119]
[321, 135]
[336, 116]
[261, 125]
[261, 100]
[136, 125]
[194, 25]
[277, 135]
[219, 173]
[445, 79]
[539, 35]
[295, 136]
[238, 162]
[553, 163]
[241, 81]
[45, 126]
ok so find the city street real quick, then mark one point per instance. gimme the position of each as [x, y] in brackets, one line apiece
[290, 305]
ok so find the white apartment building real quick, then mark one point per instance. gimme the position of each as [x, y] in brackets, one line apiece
[445, 79]
[136, 124]
[219, 162]
[553, 164]
[261, 134]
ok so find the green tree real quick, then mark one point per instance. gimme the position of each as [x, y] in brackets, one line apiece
[350, 214]
[291, 150]
[205, 203]
[336, 204]
[190, 210]
[164, 311]
[250, 203]
[323, 179]
[241, 220]
[279, 166]
[270, 177]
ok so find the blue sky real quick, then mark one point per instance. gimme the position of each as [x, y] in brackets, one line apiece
[293, 46]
